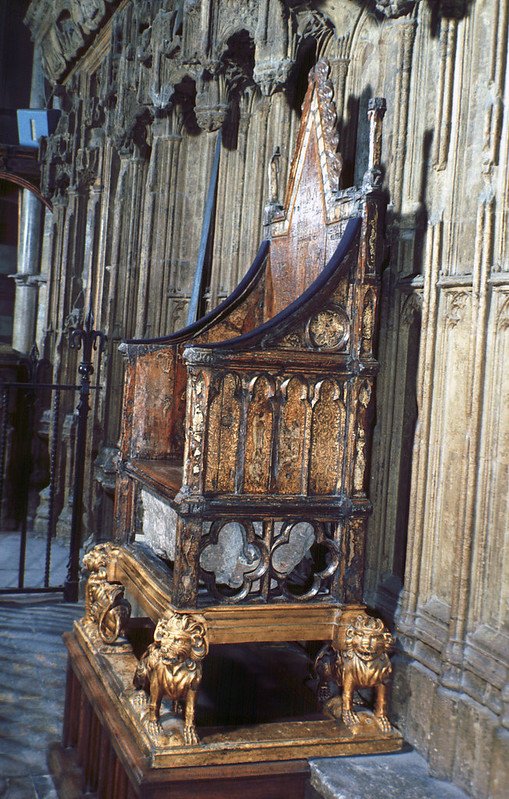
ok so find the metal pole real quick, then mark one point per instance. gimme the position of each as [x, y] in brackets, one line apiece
[4, 418]
[50, 531]
[88, 339]
[30, 400]
[192, 313]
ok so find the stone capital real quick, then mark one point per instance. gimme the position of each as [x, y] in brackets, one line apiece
[392, 9]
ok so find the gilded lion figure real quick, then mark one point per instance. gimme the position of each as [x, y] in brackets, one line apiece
[172, 667]
[105, 605]
[358, 658]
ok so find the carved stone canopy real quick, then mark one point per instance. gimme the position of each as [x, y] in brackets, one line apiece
[63, 27]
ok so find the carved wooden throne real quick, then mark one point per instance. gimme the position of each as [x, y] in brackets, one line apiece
[241, 501]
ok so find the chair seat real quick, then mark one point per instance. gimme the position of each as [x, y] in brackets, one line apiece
[164, 476]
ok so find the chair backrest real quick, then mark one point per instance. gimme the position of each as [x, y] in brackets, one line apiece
[305, 230]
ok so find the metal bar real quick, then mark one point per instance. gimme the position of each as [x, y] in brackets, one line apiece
[52, 477]
[4, 410]
[29, 396]
[25, 483]
[22, 552]
[54, 386]
[72, 582]
[89, 339]
[192, 312]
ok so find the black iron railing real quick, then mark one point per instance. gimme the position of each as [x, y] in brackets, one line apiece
[21, 406]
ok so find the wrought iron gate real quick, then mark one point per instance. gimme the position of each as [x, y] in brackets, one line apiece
[23, 404]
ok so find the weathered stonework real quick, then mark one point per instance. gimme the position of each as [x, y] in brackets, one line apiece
[159, 525]
[144, 87]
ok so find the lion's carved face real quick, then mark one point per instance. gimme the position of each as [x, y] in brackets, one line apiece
[181, 636]
[94, 562]
[99, 557]
[367, 638]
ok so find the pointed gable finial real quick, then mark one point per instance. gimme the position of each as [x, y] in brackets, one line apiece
[319, 76]
[318, 121]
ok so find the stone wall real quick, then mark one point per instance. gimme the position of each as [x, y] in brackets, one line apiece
[145, 88]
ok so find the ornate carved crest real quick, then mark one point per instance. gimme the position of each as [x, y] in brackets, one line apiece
[305, 228]
[316, 150]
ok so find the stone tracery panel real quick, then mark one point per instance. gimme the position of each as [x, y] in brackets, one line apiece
[449, 426]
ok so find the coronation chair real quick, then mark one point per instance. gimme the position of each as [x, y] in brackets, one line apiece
[241, 503]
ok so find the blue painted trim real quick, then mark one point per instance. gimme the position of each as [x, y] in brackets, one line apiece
[247, 283]
[251, 339]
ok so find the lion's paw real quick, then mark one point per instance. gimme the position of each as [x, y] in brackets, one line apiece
[350, 718]
[384, 723]
[190, 736]
[139, 699]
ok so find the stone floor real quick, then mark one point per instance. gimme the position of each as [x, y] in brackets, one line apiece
[32, 678]
[35, 560]
[32, 684]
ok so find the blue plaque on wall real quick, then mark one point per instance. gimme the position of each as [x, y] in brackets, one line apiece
[34, 123]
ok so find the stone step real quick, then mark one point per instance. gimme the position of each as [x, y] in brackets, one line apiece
[403, 775]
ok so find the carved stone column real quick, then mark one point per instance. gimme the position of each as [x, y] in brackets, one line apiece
[118, 290]
[211, 109]
[67, 305]
[30, 236]
[26, 279]
[407, 30]
[161, 215]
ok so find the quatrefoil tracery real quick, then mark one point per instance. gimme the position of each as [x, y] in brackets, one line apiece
[302, 558]
[232, 558]
[235, 560]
